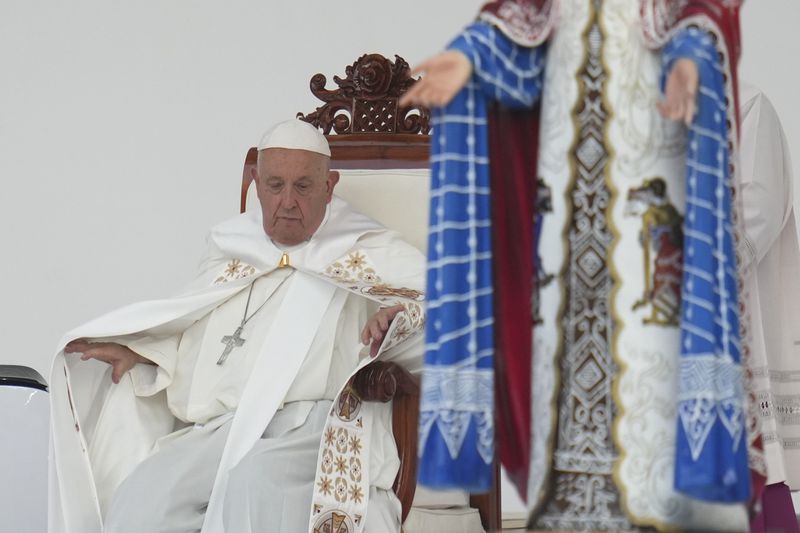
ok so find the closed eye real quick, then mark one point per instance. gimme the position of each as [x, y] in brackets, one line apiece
[274, 186]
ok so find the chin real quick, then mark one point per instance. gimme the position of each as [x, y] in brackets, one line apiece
[287, 240]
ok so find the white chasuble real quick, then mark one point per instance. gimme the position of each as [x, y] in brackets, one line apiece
[199, 389]
[285, 347]
[102, 431]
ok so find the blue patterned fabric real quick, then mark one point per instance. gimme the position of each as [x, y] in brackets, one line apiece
[711, 455]
[456, 434]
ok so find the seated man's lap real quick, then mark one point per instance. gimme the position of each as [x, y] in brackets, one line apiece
[169, 490]
[272, 486]
[269, 490]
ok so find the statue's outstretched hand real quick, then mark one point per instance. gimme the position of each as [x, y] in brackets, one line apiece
[377, 326]
[680, 95]
[444, 75]
[121, 358]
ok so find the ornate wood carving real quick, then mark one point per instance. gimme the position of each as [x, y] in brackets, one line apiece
[383, 382]
[366, 100]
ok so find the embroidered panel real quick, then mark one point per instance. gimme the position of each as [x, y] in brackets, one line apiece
[355, 268]
[356, 273]
[341, 487]
[235, 269]
[334, 522]
[582, 493]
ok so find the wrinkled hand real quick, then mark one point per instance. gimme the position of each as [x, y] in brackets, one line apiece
[680, 95]
[445, 75]
[121, 358]
[377, 326]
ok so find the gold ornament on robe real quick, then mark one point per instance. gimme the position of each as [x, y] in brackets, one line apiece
[284, 262]
[403, 292]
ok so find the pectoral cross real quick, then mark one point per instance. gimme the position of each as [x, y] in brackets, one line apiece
[231, 342]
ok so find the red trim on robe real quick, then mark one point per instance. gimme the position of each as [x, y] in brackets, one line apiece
[513, 150]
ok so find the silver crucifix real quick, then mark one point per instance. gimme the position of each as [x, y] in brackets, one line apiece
[231, 342]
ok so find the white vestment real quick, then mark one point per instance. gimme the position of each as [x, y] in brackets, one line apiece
[198, 389]
[101, 432]
[774, 283]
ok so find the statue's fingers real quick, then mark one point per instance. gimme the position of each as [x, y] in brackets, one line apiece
[691, 109]
[662, 108]
[442, 97]
[412, 95]
[426, 93]
[433, 98]
[676, 110]
[424, 66]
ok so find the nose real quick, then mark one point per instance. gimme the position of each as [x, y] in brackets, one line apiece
[288, 198]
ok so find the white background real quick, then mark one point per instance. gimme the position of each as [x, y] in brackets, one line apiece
[123, 127]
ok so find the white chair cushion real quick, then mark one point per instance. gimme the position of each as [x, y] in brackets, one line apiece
[397, 198]
[462, 520]
[439, 499]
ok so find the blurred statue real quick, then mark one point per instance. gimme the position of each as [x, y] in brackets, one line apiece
[635, 409]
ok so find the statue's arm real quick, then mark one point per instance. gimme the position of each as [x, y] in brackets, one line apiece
[483, 58]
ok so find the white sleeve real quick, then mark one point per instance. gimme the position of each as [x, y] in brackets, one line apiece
[766, 177]
[163, 352]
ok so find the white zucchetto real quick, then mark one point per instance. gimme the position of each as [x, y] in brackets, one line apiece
[295, 135]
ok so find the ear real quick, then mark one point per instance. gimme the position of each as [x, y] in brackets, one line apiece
[254, 176]
[333, 179]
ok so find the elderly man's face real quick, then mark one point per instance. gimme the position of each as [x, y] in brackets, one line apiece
[294, 187]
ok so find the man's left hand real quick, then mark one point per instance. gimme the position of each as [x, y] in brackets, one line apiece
[377, 326]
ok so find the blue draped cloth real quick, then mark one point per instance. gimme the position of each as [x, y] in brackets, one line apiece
[456, 437]
[711, 452]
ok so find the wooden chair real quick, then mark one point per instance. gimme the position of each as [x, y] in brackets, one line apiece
[366, 129]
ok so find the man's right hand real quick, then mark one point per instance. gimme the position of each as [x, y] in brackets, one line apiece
[121, 358]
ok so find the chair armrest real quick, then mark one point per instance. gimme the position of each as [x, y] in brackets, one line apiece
[382, 382]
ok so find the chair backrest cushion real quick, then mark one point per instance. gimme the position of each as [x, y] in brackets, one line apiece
[398, 199]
